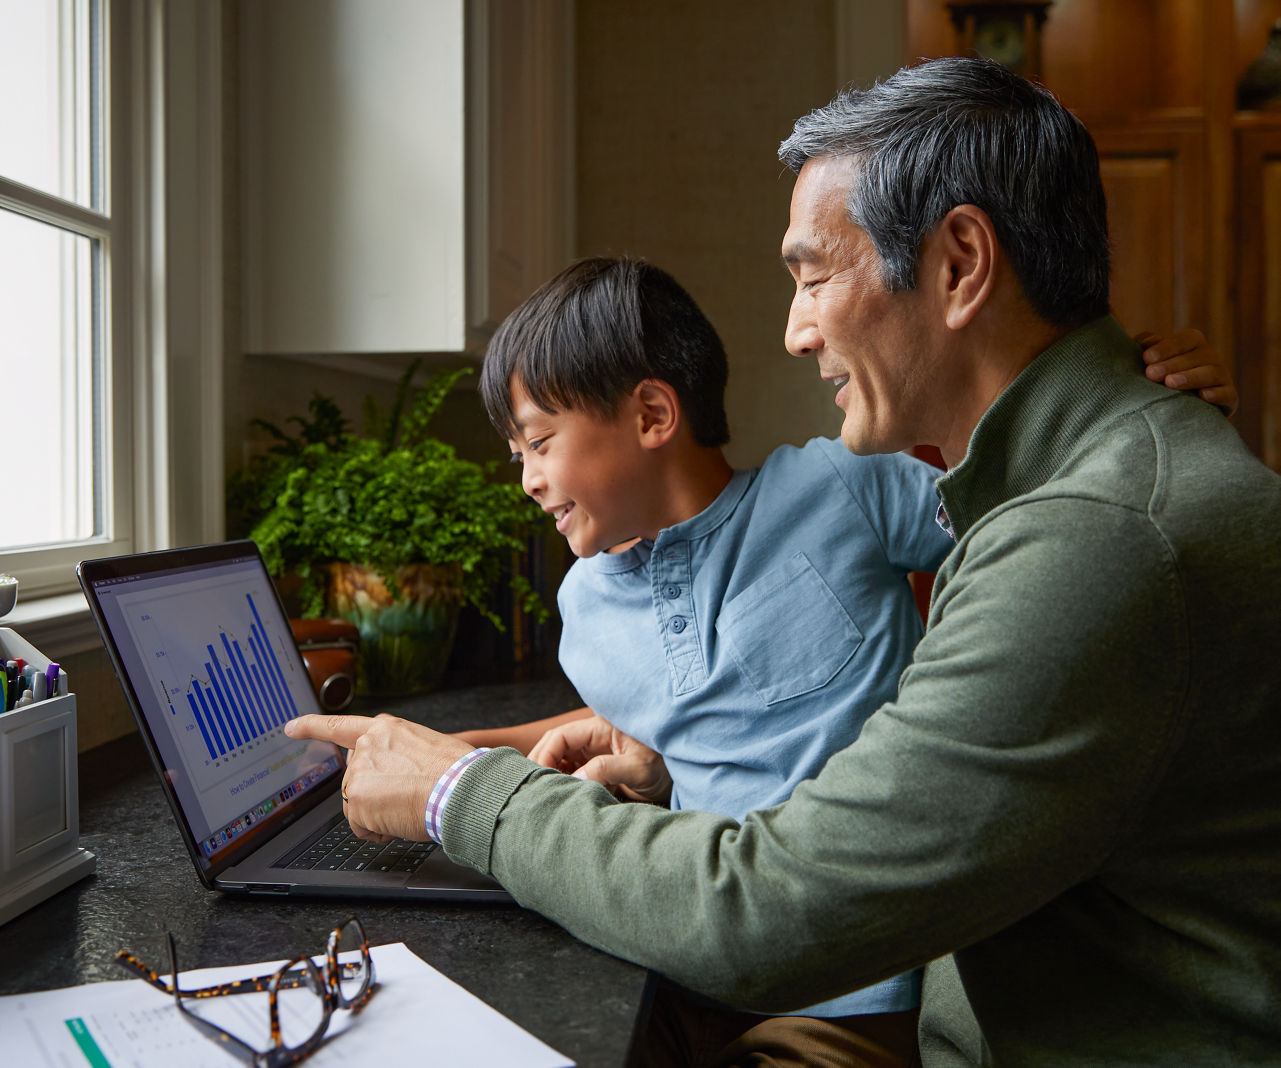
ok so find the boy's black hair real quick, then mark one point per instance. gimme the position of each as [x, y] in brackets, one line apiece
[588, 337]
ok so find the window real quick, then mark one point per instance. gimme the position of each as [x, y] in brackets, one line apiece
[110, 292]
[63, 350]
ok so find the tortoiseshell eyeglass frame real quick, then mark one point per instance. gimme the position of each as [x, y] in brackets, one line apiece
[294, 973]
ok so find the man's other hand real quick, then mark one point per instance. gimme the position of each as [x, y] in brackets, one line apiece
[595, 749]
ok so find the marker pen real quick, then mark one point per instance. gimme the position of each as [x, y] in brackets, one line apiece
[39, 686]
[51, 678]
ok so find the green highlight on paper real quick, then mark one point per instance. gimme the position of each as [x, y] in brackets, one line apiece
[86, 1043]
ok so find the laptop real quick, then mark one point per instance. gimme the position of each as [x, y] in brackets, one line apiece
[203, 649]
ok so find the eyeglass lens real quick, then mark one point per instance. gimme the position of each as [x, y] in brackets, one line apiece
[353, 970]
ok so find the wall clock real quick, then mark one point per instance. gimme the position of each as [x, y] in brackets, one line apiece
[1008, 31]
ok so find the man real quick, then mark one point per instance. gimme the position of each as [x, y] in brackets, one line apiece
[1079, 839]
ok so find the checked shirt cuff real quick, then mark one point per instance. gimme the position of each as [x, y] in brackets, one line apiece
[442, 791]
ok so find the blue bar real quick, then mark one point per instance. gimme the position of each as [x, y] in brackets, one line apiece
[243, 690]
[258, 675]
[211, 714]
[272, 703]
[275, 663]
[236, 723]
[256, 687]
[195, 711]
[235, 715]
[219, 727]
[258, 645]
[256, 724]
[218, 693]
[227, 694]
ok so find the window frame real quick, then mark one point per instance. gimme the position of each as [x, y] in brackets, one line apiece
[48, 570]
[162, 312]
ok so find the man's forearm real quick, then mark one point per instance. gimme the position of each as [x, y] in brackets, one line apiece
[926, 835]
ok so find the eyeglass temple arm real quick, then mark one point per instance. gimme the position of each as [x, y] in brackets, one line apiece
[259, 984]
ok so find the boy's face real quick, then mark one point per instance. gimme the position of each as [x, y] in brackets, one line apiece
[584, 469]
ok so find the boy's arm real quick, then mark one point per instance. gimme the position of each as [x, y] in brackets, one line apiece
[523, 736]
[595, 749]
[1186, 360]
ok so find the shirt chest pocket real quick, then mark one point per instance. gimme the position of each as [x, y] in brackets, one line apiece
[788, 633]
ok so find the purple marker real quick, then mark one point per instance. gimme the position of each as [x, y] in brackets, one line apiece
[51, 679]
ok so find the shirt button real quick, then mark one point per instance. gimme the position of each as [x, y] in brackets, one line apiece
[678, 624]
[672, 592]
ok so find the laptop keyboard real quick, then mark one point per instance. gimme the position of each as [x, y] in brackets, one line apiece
[336, 848]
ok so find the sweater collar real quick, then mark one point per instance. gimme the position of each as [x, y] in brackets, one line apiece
[1038, 422]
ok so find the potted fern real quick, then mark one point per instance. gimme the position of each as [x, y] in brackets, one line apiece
[390, 529]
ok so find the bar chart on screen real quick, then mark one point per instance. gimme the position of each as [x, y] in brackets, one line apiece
[224, 676]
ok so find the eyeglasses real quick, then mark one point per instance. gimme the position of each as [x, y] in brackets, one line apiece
[311, 996]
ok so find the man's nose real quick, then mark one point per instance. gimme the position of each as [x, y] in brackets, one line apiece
[802, 337]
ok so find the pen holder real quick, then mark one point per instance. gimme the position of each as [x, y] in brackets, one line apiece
[39, 797]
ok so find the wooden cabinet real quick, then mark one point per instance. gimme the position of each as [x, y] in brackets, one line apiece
[1258, 283]
[1154, 176]
[1194, 187]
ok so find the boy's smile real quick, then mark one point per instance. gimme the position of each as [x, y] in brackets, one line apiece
[583, 469]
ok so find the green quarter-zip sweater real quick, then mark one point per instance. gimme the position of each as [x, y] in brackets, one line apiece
[1072, 812]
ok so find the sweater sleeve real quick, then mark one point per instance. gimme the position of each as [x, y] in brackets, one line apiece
[1025, 739]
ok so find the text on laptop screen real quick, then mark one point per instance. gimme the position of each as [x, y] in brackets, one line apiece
[218, 675]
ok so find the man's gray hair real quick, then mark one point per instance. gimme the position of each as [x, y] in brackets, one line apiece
[969, 131]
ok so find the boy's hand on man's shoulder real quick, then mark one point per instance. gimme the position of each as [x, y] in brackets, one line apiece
[595, 749]
[1186, 360]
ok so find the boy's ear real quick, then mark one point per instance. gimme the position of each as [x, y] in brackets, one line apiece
[658, 412]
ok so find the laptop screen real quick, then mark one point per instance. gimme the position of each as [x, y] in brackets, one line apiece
[200, 640]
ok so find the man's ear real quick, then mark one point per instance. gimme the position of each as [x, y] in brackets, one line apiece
[658, 412]
[965, 254]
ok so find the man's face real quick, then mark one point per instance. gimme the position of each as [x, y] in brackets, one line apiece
[583, 469]
[870, 344]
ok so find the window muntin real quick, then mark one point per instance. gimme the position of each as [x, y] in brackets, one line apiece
[51, 94]
[57, 238]
[51, 330]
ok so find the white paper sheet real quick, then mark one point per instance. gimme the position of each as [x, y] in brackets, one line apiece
[417, 1015]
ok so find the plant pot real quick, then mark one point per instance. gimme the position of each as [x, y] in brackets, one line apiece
[405, 641]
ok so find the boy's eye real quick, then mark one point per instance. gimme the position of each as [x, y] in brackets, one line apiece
[534, 446]
[515, 458]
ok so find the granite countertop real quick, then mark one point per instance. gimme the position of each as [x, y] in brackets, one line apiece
[580, 1001]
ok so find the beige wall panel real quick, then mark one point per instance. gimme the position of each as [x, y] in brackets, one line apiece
[680, 111]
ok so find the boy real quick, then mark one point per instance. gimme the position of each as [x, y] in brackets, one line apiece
[742, 624]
